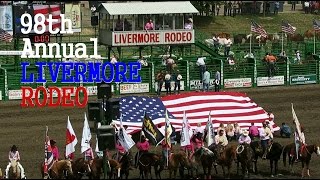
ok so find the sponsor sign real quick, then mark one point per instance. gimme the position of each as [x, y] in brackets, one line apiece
[73, 12]
[303, 79]
[134, 88]
[172, 86]
[197, 85]
[239, 82]
[92, 90]
[272, 81]
[134, 38]
[17, 94]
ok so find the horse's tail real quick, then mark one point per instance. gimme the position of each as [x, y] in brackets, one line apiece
[284, 155]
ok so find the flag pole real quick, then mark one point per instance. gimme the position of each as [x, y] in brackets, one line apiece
[314, 42]
[250, 42]
[166, 134]
[282, 42]
[46, 154]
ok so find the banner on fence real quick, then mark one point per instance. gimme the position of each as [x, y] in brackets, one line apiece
[238, 82]
[17, 94]
[272, 81]
[0, 95]
[6, 18]
[92, 90]
[303, 79]
[197, 85]
[72, 12]
[134, 88]
[172, 86]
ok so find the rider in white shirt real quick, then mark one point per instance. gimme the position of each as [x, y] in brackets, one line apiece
[14, 155]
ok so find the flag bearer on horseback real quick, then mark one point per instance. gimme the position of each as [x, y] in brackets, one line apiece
[143, 147]
[166, 151]
[300, 142]
[15, 156]
[55, 150]
[88, 155]
[265, 136]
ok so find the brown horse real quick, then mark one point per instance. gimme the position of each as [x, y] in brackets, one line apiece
[257, 152]
[305, 157]
[126, 163]
[223, 35]
[58, 169]
[146, 161]
[309, 34]
[296, 38]
[97, 168]
[274, 152]
[80, 167]
[14, 171]
[225, 156]
[205, 158]
[245, 157]
[175, 161]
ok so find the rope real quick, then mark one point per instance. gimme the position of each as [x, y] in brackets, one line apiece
[240, 147]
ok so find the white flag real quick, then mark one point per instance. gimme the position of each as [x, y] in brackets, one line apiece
[124, 139]
[86, 135]
[71, 139]
[210, 133]
[185, 136]
[295, 119]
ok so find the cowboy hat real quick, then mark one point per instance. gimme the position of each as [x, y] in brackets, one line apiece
[52, 141]
[245, 132]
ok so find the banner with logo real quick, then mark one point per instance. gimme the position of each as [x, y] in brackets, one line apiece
[17, 94]
[134, 88]
[6, 19]
[197, 85]
[270, 81]
[72, 11]
[238, 82]
[303, 79]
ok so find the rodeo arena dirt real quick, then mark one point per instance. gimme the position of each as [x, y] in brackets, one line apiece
[207, 107]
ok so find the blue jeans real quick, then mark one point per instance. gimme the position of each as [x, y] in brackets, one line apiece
[264, 144]
[205, 86]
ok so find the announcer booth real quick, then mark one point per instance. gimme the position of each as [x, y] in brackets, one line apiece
[129, 24]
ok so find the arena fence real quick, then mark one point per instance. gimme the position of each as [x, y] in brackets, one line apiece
[241, 75]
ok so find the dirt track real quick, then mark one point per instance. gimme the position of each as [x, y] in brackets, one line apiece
[26, 127]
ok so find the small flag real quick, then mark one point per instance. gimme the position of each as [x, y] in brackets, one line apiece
[71, 139]
[86, 135]
[185, 135]
[168, 130]
[151, 131]
[124, 139]
[287, 28]
[210, 133]
[5, 36]
[258, 29]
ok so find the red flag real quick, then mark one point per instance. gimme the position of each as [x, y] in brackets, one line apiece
[71, 139]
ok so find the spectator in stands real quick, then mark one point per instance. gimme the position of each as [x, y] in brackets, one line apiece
[298, 57]
[217, 81]
[149, 25]
[285, 130]
[160, 80]
[306, 6]
[202, 66]
[253, 131]
[188, 24]
[293, 5]
[177, 80]
[169, 64]
[228, 43]
[218, 8]
[283, 54]
[142, 61]
[276, 7]
[113, 60]
[127, 25]
[229, 8]
[119, 25]
[231, 60]
[215, 40]
[167, 82]
[206, 80]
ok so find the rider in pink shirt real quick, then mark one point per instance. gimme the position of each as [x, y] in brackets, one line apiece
[253, 131]
[143, 147]
[55, 150]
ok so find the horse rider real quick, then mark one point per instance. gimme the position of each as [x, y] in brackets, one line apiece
[89, 156]
[15, 155]
[244, 137]
[166, 151]
[300, 142]
[143, 147]
[265, 136]
[120, 151]
[55, 150]
[221, 138]
[197, 141]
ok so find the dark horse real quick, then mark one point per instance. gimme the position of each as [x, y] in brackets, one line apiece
[145, 163]
[205, 157]
[126, 163]
[80, 167]
[177, 160]
[245, 157]
[305, 157]
[225, 156]
[274, 152]
[97, 168]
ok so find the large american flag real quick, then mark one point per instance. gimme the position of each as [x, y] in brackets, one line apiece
[255, 27]
[287, 28]
[225, 107]
[316, 25]
[54, 10]
[5, 36]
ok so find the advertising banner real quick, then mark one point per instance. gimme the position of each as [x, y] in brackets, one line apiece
[197, 85]
[134, 88]
[72, 11]
[272, 81]
[239, 82]
[303, 79]
[6, 19]
[17, 94]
